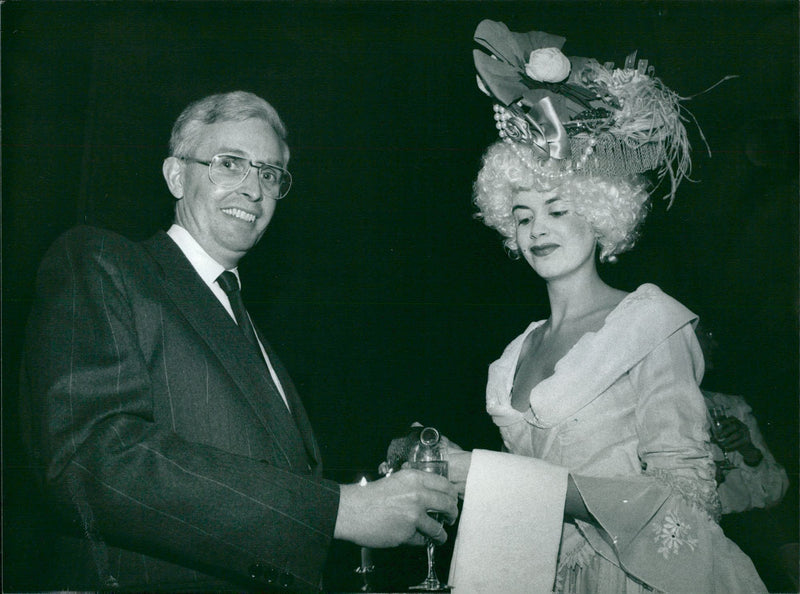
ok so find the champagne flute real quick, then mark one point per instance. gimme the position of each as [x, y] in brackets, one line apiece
[430, 455]
[717, 414]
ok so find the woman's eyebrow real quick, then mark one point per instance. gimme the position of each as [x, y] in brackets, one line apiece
[546, 202]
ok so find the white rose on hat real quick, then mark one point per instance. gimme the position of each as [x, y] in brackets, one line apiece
[548, 64]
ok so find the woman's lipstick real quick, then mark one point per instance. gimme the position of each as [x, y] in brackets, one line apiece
[540, 251]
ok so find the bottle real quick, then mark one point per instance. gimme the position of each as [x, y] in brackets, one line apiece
[429, 453]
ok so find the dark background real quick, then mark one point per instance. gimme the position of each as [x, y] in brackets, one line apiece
[384, 297]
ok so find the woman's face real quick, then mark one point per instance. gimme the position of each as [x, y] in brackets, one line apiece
[551, 237]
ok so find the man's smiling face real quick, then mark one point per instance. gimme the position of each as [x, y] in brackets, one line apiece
[227, 222]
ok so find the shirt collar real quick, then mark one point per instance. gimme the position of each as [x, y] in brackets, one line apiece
[206, 266]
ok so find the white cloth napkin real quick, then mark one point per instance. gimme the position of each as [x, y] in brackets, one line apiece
[510, 525]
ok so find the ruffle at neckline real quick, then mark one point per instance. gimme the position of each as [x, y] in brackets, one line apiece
[641, 321]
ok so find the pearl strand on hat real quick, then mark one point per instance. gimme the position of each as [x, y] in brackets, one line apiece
[502, 117]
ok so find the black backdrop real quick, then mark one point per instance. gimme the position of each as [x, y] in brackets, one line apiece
[384, 297]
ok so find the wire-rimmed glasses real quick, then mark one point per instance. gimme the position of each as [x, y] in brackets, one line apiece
[228, 171]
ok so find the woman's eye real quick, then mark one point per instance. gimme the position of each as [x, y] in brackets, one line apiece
[523, 221]
[559, 213]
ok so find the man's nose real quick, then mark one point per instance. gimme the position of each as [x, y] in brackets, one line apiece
[251, 187]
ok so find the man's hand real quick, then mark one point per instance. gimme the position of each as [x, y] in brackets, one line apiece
[733, 435]
[394, 510]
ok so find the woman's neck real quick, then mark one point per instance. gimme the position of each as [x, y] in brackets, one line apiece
[578, 295]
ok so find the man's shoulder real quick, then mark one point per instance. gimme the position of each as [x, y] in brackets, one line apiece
[85, 248]
[90, 237]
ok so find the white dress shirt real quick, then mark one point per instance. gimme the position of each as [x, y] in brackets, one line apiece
[209, 270]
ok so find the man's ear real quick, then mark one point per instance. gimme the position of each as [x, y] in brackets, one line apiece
[173, 173]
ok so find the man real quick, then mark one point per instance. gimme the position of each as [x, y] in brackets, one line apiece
[751, 484]
[748, 476]
[168, 436]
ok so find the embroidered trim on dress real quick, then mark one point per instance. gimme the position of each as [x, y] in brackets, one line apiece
[700, 496]
[673, 534]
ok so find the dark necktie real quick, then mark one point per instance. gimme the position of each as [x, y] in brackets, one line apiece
[230, 284]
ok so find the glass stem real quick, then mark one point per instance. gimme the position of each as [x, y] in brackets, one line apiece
[431, 563]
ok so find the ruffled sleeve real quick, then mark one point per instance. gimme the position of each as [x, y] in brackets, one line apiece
[671, 421]
[661, 539]
[660, 526]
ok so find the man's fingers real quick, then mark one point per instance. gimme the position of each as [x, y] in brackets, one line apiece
[437, 483]
[737, 442]
[433, 530]
[441, 497]
[732, 426]
[733, 435]
[417, 540]
[727, 427]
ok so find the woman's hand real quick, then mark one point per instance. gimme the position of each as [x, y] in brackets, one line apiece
[399, 448]
[458, 461]
[452, 447]
[458, 468]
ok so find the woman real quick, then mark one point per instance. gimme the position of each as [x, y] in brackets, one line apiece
[611, 488]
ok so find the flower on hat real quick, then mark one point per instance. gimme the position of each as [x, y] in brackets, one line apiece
[587, 116]
[548, 64]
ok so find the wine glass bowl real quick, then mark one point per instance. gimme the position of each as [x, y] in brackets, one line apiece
[430, 455]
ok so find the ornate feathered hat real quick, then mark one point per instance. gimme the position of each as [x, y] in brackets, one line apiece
[575, 114]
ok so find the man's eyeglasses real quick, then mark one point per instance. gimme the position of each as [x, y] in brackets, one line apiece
[228, 171]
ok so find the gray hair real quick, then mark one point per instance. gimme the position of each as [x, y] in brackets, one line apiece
[235, 106]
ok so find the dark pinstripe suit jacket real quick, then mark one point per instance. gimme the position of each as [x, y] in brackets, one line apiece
[157, 432]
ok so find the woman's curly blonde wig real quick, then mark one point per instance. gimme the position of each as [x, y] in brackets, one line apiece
[615, 208]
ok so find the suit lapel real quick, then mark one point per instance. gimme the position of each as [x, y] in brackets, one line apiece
[296, 405]
[212, 323]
